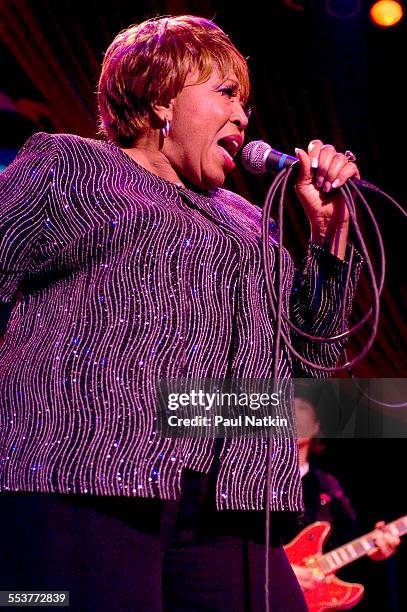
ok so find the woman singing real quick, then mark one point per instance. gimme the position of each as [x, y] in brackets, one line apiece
[128, 263]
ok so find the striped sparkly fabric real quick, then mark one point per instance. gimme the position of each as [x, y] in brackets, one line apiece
[125, 278]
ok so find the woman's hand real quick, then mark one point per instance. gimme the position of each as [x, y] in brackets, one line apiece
[323, 205]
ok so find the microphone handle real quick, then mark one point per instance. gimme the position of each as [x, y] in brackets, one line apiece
[277, 161]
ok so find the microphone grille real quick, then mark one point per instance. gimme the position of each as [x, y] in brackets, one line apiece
[254, 156]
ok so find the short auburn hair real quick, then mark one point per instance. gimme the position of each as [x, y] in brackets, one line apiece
[149, 63]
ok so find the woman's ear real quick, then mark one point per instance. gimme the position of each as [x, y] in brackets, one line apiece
[163, 112]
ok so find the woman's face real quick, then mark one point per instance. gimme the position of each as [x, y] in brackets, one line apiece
[206, 130]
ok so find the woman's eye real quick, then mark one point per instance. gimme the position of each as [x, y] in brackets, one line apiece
[229, 91]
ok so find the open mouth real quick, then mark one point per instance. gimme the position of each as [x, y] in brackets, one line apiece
[230, 145]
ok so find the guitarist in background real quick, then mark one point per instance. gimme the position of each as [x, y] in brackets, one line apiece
[325, 500]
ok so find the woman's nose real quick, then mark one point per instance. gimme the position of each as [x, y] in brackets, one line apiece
[239, 116]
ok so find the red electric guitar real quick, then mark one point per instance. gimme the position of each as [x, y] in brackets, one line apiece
[331, 593]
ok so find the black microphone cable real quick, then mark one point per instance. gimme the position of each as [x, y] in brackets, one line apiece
[272, 295]
[275, 304]
[381, 247]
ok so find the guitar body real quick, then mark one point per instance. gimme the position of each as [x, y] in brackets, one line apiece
[330, 593]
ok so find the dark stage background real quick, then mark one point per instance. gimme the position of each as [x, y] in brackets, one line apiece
[323, 72]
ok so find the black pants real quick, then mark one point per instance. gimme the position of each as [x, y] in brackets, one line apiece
[121, 554]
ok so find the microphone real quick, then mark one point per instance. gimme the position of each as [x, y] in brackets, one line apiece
[259, 158]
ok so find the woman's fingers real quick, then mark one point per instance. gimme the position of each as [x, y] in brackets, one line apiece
[332, 169]
[314, 149]
[326, 156]
[305, 171]
[348, 171]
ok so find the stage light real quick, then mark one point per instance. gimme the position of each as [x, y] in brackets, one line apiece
[386, 13]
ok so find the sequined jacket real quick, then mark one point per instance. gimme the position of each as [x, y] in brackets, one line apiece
[124, 278]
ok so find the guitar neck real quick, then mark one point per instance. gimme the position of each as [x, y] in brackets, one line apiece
[343, 555]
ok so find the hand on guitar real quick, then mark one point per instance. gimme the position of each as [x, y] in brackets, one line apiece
[315, 570]
[386, 542]
[305, 576]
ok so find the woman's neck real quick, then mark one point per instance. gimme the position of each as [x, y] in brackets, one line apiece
[147, 154]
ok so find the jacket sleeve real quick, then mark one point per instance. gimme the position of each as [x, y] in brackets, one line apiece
[318, 305]
[24, 185]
